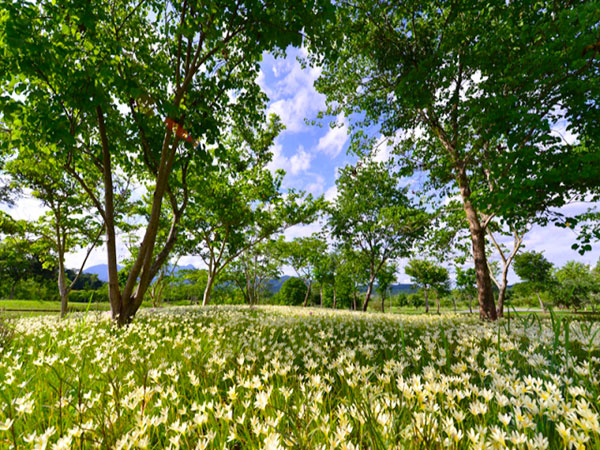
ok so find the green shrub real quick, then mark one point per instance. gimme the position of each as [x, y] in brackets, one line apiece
[100, 295]
[292, 292]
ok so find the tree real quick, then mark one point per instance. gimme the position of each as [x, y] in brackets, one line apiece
[351, 274]
[468, 93]
[374, 215]
[293, 292]
[238, 202]
[576, 285]
[385, 279]
[428, 276]
[303, 254]
[466, 284]
[253, 269]
[324, 271]
[21, 259]
[108, 99]
[69, 224]
[534, 268]
[506, 257]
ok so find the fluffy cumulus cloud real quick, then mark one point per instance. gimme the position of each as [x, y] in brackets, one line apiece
[293, 95]
[295, 164]
[333, 142]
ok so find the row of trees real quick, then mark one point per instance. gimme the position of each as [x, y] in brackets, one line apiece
[162, 136]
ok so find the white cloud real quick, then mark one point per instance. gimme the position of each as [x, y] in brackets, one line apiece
[26, 208]
[333, 142]
[300, 162]
[316, 187]
[297, 163]
[294, 96]
[331, 193]
[303, 230]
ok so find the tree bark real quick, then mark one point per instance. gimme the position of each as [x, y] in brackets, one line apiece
[208, 288]
[382, 303]
[354, 301]
[487, 307]
[114, 292]
[426, 301]
[62, 287]
[369, 292]
[308, 286]
[321, 296]
[540, 300]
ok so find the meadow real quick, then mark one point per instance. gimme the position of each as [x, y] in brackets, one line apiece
[283, 377]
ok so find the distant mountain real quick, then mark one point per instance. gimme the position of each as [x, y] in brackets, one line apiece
[275, 285]
[102, 270]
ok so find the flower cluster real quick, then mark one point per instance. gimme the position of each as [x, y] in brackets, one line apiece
[275, 378]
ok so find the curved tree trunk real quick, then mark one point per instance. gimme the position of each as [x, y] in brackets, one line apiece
[308, 286]
[487, 307]
[208, 289]
[541, 302]
[369, 292]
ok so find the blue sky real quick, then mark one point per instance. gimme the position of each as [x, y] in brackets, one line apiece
[310, 155]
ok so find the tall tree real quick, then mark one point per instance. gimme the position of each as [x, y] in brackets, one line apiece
[303, 255]
[506, 258]
[131, 88]
[385, 279]
[466, 284]
[69, 223]
[469, 93]
[238, 201]
[374, 215]
[430, 277]
[253, 269]
[534, 268]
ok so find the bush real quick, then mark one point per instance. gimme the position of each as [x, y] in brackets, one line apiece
[292, 292]
[100, 295]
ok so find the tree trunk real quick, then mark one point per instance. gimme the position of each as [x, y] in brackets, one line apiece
[487, 307]
[114, 291]
[354, 301]
[308, 286]
[321, 296]
[368, 294]
[208, 289]
[334, 297]
[426, 301]
[454, 303]
[382, 303]
[62, 288]
[540, 300]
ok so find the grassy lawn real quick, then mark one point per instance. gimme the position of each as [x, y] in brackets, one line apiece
[277, 377]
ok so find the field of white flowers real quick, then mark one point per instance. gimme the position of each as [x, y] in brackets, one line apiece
[274, 378]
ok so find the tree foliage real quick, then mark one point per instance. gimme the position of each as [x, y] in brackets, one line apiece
[470, 93]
